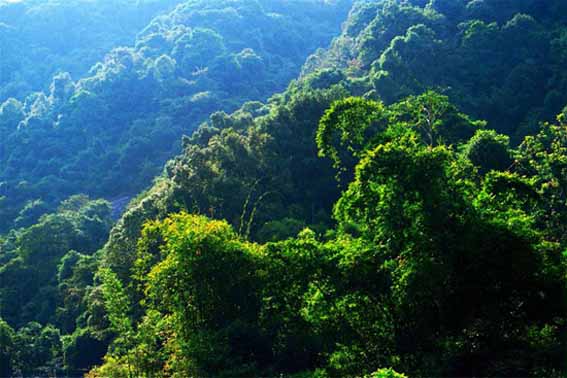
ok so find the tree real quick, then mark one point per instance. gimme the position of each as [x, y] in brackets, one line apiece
[355, 120]
[204, 285]
[6, 348]
[489, 151]
[544, 157]
[36, 349]
[117, 307]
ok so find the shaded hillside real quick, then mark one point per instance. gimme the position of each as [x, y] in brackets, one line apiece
[109, 133]
[40, 38]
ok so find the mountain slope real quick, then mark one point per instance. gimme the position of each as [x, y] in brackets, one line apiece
[259, 170]
[109, 133]
[38, 39]
[342, 229]
[285, 161]
[499, 60]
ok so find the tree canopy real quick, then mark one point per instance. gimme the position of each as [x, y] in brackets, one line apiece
[397, 210]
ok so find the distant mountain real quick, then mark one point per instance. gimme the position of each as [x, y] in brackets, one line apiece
[109, 132]
[39, 38]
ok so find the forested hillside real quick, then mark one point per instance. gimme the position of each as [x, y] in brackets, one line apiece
[109, 132]
[501, 60]
[39, 38]
[400, 210]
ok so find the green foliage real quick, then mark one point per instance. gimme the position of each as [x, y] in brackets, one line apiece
[489, 151]
[385, 373]
[83, 349]
[116, 303]
[63, 37]
[435, 268]
[6, 348]
[497, 60]
[249, 171]
[108, 131]
[45, 281]
[36, 349]
[440, 253]
[353, 118]
[204, 284]
[362, 123]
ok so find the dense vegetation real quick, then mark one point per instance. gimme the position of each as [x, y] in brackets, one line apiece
[401, 207]
[500, 60]
[109, 132]
[67, 36]
[446, 260]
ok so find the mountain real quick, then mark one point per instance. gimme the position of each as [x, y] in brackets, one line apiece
[278, 138]
[259, 170]
[109, 132]
[67, 36]
[399, 210]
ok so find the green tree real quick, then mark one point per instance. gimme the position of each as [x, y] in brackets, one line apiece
[36, 349]
[205, 285]
[489, 151]
[6, 349]
[544, 157]
[117, 307]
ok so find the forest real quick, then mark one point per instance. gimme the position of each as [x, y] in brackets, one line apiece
[270, 188]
